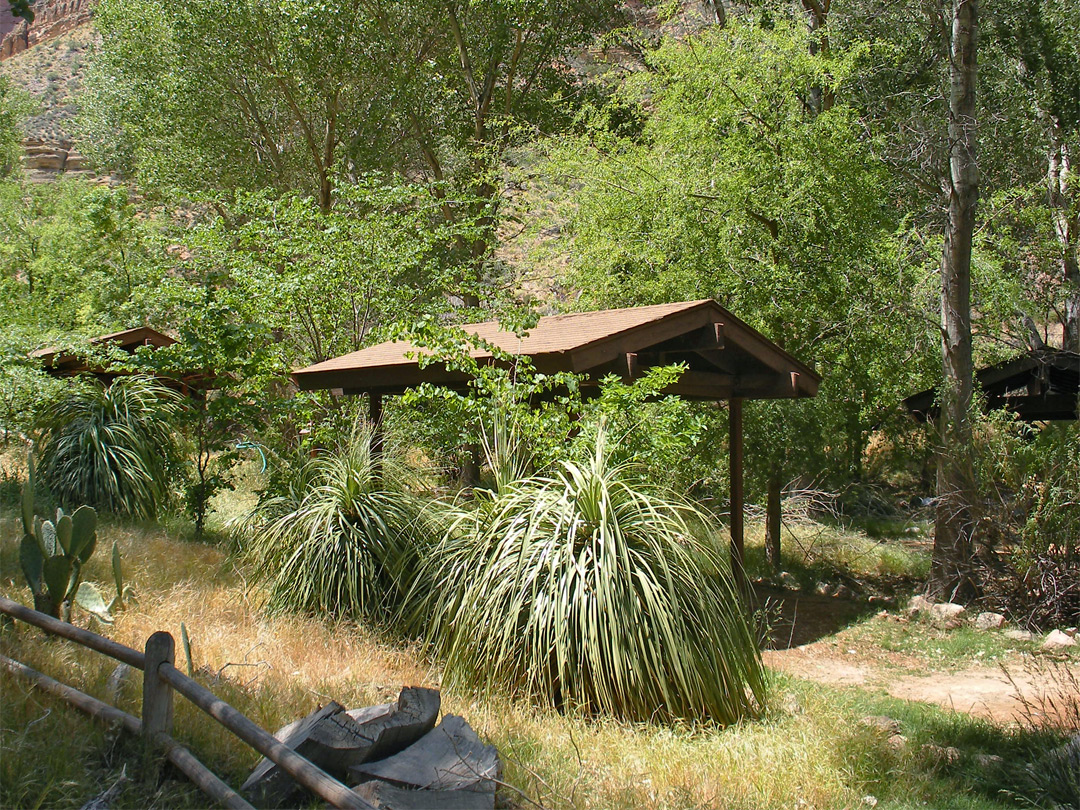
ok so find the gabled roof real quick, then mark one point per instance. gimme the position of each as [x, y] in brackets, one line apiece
[1039, 386]
[129, 339]
[725, 356]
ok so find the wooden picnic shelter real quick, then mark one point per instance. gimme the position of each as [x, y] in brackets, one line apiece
[1042, 385]
[62, 363]
[725, 358]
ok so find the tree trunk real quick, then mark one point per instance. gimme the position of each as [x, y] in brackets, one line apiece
[772, 524]
[951, 569]
[822, 97]
[1066, 215]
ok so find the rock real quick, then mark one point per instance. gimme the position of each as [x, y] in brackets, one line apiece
[118, 683]
[336, 740]
[451, 757]
[823, 589]
[51, 19]
[989, 621]
[1019, 635]
[1056, 640]
[881, 722]
[788, 580]
[383, 796]
[897, 742]
[268, 785]
[870, 801]
[361, 735]
[918, 606]
[1064, 759]
[942, 756]
[946, 612]
[45, 162]
[989, 760]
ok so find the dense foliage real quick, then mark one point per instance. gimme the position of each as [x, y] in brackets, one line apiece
[110, 446]
[339, 541]
[293, 181]
[587, 589]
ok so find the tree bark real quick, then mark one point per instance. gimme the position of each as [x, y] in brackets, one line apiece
[1066, 215]
[951, 574]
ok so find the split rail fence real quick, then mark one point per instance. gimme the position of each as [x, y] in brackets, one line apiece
[160, 680]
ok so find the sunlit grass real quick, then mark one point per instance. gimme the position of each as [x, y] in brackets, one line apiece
[812, 551]
[809, 752]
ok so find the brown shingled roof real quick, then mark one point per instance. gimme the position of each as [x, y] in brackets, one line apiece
[724, 353]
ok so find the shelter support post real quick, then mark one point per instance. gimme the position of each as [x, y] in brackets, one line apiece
[735, 444]
[375, 416]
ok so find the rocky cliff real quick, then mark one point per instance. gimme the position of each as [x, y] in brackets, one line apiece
[51, 19]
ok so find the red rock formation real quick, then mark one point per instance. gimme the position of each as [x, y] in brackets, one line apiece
[51, 19]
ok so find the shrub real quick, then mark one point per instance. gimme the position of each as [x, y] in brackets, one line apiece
[1032, 513]
[586, 589]
[339, 541]
[110, 446]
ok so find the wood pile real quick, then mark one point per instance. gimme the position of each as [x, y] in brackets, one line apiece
[393, 754]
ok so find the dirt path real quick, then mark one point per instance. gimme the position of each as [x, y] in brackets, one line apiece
[1024, 694]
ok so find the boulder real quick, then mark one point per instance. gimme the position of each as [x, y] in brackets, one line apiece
[989, 621]
[268, 785]
[788, 580]
[336, 740]
[882, 723]
[384, 796]
[1057, 640]
[451, 758]
[918, 606]
[947, 613]
[1019, 635]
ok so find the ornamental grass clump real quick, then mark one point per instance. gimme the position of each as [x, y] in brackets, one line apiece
[110, 446]
[340, 542]
[589, 590]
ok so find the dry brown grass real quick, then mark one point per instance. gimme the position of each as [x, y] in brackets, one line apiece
[814, 755]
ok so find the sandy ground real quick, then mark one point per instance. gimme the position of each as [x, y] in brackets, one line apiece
[1023, 693]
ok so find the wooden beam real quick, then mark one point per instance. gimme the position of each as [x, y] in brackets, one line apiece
[157, 698]
[601, 352]
[735, 443]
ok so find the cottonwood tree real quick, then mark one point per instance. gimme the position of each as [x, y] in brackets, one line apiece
[209, 98]
[737, 188]
[287, 93]
[1039, 37]
[951, 571]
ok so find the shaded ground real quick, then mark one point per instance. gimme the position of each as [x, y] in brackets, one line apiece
[796, 618]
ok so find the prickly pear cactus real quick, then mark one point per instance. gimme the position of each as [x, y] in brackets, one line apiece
[52, 554]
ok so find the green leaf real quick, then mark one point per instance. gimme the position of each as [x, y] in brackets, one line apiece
[63, 533]
[118, 573]
[56, 571]
[48, 538]
[28, 498]
[88, 549]
[31, 560]
[84, 522]
[89, 598]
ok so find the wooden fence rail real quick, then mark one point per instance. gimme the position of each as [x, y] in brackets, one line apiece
[160, 679]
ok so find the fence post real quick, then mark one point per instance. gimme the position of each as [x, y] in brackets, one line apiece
[157, 706]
